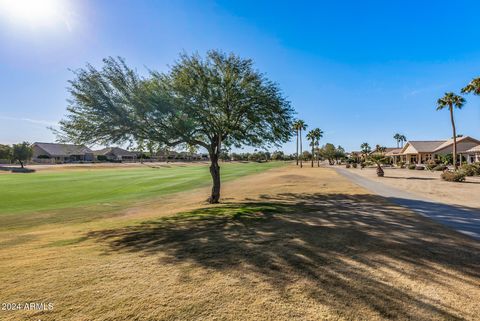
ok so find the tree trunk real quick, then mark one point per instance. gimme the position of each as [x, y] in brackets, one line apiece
[21, 163]
[301, 152]
[313, 151]
[454, 139]
[380, 172]
[297, 146]
[215, 172]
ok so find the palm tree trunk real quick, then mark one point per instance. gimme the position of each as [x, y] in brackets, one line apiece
[313, 151]
[301, 152]
[454, 138]
[297, 145]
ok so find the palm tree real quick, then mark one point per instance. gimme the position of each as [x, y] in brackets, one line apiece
[312, 138]
[403, 139]
[452, 100]
[366, 149]
[472, 87]
[318, 136]
[300, 125]
[295, 126]
[397, 138]
[400, 139]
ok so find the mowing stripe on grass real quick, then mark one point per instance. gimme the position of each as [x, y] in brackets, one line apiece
[41, 191]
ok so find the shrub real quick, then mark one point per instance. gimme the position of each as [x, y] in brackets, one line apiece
[431, 164]
[22, 170]
[348, 165]
[458, 176]
[477, 166]
[102, 158]
[439, 168]
[419, 168]
[469, 169]
[412, 166]
[355, 165]
[401, 164]
[362, 165]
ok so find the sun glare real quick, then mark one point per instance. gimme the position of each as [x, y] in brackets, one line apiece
[32, 12]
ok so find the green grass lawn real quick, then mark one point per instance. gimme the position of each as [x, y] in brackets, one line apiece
[43, 191]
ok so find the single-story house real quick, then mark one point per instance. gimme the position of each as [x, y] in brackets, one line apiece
[394, 153]
[61, 153]
[473, 154]
[420, 152]
[116, 154]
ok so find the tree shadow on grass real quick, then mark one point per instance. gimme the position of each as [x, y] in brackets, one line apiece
[332, 242]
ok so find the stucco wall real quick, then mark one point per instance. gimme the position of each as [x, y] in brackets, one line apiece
[410, 150]
[462, 147]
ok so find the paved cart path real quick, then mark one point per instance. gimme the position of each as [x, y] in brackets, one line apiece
[465, 220]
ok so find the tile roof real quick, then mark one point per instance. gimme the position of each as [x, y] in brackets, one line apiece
[425, 146]
[116, 151]
[450, 142]
[63, 149]
[475, 149]
[393, 151]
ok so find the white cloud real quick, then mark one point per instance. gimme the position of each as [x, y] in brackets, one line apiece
[30, 120]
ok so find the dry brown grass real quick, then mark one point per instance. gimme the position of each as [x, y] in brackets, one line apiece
[287, 244]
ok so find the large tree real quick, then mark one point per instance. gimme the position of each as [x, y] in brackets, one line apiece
[22, 153]
[450, 101]
[212, 102]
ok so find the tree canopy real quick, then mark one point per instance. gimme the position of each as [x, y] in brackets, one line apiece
[213, 102]
[22, 152]
[5, 152]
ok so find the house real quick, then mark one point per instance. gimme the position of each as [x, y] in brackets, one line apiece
[420, 152]
[473, 155]
[464, 144]
[394, 154]
[61, 153]
[115, 154]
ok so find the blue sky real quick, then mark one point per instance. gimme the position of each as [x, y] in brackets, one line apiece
[359, 70]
